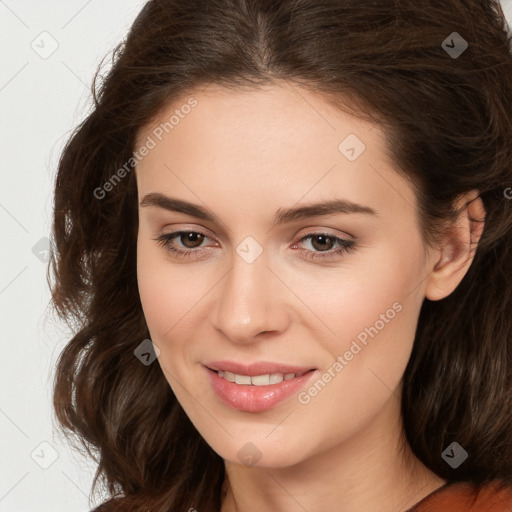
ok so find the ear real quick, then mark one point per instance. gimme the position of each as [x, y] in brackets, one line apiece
[457, 248]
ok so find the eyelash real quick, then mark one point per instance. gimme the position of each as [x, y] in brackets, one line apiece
[347, 246]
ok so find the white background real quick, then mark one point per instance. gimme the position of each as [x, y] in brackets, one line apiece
[41, 101]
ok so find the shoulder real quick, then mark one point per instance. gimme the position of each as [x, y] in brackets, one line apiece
[495, 496]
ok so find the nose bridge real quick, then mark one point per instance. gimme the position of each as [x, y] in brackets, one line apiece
[249, 300]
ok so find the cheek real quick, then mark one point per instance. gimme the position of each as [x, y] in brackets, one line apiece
[375, 327]
[163, 293]
[380, 293]
[372, 314]
[378, 304]
[171, 295]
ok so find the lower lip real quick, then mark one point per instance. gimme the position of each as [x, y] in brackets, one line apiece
[251, 398]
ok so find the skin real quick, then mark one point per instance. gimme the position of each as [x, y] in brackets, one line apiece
[243, 155]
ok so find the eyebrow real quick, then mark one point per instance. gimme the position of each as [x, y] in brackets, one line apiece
[282, 216]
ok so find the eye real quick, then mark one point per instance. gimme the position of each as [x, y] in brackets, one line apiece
[191, 244]
[193, 238]
[325, 241]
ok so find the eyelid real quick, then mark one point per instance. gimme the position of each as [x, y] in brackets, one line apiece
[326, 231]
[194, 229]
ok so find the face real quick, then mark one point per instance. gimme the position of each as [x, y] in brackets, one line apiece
[312, 314]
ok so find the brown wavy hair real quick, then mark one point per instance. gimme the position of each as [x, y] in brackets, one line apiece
[448, 123]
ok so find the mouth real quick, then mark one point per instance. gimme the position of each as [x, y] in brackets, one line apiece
[258, 387]
[266, 379]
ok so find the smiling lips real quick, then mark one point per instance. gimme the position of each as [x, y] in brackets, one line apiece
[254, 369]
[255, 387]
[256, 380]
[256, 374]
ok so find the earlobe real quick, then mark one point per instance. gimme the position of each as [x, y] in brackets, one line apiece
[458, 247]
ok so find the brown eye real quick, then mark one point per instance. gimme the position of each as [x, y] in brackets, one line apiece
[191, 239]
[190, 243]
[322, 242]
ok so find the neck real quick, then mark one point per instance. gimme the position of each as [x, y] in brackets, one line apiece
[373, 470]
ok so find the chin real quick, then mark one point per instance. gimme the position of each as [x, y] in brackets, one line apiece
[262, 454]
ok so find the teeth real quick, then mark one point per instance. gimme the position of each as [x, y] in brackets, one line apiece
[230, 377]
[257, 380]
[276, 378]
[242, 379]
[260, 380]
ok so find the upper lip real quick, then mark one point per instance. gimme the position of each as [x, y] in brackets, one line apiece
[257, 368]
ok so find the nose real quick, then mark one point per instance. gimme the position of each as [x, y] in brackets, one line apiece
[251, 301]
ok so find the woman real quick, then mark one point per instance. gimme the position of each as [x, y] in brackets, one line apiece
[285, 230]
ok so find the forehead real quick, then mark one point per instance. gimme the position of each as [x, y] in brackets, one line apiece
[275, 117]
[277, 142]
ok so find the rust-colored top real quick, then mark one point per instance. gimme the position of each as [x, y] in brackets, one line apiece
[466, 497]
[455, 497]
